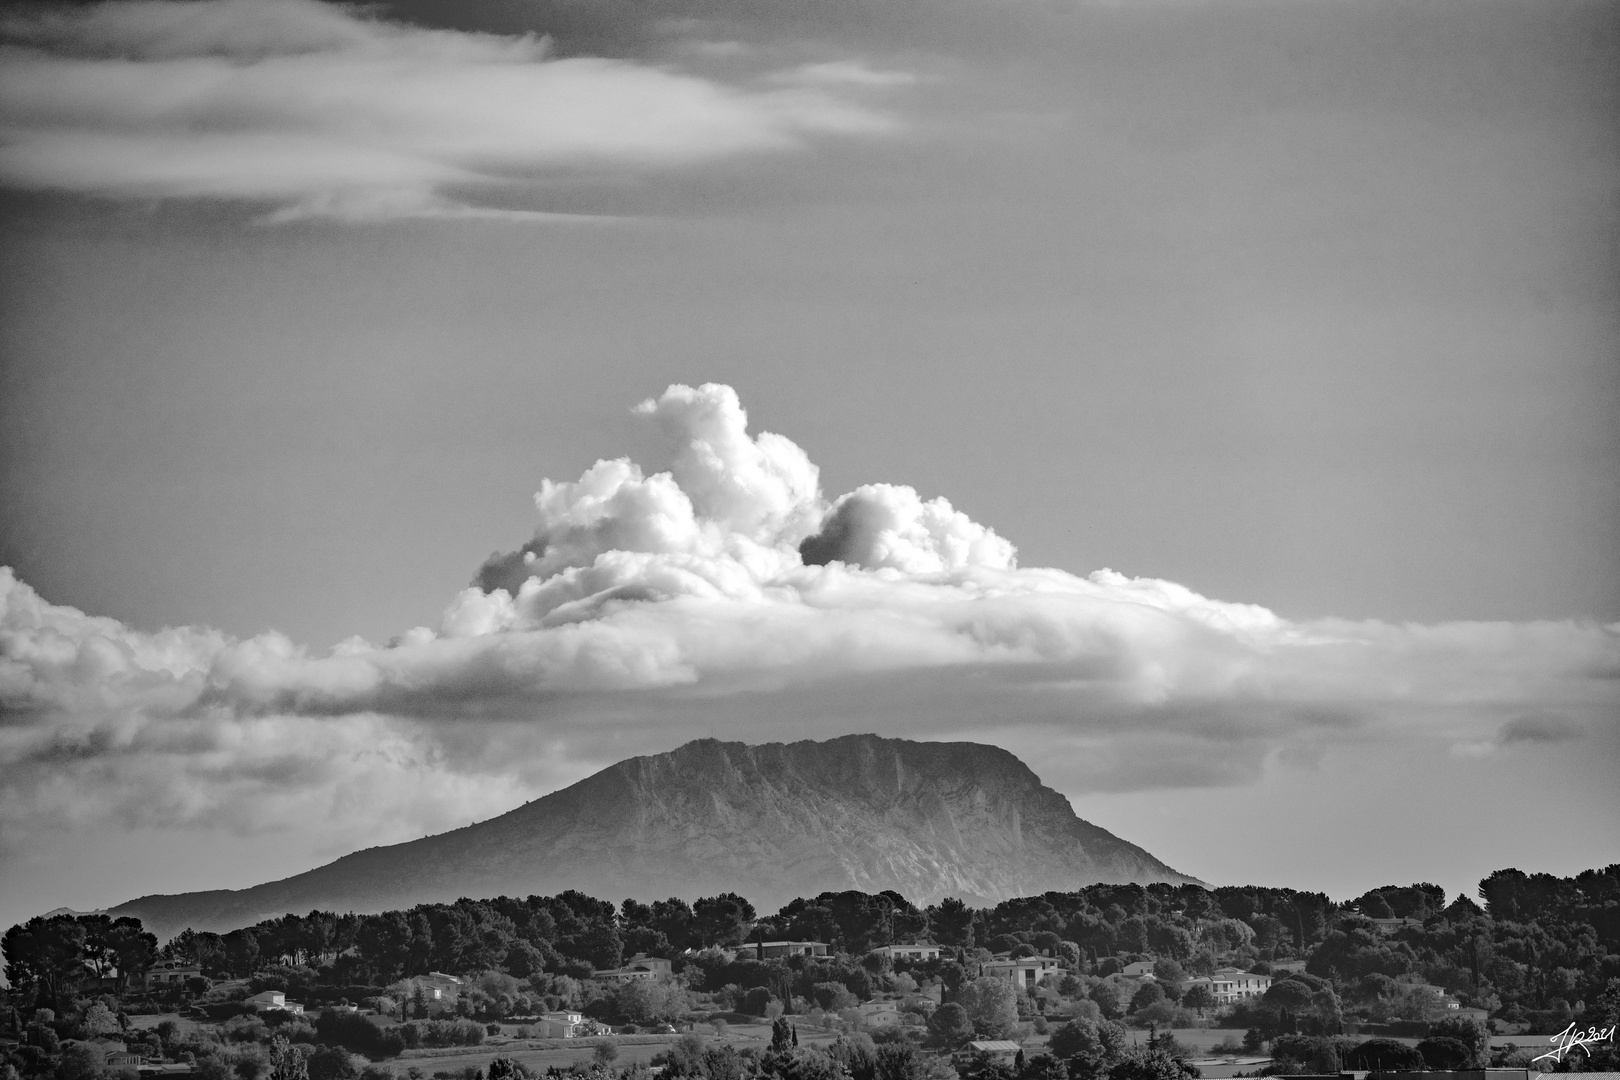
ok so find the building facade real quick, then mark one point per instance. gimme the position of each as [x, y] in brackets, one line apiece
[1026, 972]
[924, 951]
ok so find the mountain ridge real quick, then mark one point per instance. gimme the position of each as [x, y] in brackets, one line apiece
[770, 821]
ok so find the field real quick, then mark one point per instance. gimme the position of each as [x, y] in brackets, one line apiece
[540, 1054]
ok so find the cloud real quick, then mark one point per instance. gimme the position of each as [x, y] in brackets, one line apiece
[317, 109]
[845, 73]
[727, 595]
[1541, 728]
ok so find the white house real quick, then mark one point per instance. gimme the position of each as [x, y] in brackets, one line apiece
[439, 987]
[880, 1013]
[1140, 969]
[1231, 984]
[923, 951]
[269, 1000]
[172, 972]
[562, 1025]
[1440, 994]
[1026, 972]
[639, 967]
[766, 950]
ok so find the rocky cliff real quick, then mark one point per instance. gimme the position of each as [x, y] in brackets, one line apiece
[771, 822]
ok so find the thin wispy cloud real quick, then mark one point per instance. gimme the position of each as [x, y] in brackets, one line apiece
[316, 109]
[728, 595]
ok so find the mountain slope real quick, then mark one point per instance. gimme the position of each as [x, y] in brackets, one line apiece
[771, 822]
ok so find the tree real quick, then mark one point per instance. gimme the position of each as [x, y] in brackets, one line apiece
[952, 922]
[133, 949]
[1444, 1054]
[722, 920]
[1384, 1055]
[524, 960]
[1107, 1001]
[950, 1026]
[79, 1062]
[1150, 1063]
[899, 1061]
[1167, 970]
[1077, 1038]
[45, 957]
[1374, 906]
[605, 1053]
[755, 1001]
[1473, 1035]
[331, 1063]
[992, 1005]
[1198, 996]
[1148, 993]
[1043, 1067]
[286, 1063]
[383, 940]
[99, 1020]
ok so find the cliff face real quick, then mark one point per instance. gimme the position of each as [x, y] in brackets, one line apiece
[770, 822]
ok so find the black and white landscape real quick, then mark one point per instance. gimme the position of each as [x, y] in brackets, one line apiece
[965, 449]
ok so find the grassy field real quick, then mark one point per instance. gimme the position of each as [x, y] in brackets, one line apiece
[540, 1054]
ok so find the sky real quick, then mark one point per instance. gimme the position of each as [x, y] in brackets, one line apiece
[1214, 403]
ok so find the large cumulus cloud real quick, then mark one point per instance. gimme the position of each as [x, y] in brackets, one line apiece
[315, 108]
[727, 595]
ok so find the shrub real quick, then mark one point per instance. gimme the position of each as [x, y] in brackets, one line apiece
[331, 1063]
[1443, 1053]
[1157, 1014]
[1147, 994]
[1072, 1039]
[832, 996]
[755, 1001]
[1384, 1055]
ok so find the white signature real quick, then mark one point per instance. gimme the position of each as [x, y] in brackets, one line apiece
[1570, 1039]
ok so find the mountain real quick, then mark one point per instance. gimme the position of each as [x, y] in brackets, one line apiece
[770, 822]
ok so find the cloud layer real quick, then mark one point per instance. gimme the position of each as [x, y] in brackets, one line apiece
[318, 109]
[727, 596]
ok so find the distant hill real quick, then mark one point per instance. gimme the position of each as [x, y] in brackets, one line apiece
[770, 822]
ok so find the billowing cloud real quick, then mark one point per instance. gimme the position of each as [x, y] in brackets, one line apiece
[727, 595]
[319, 109]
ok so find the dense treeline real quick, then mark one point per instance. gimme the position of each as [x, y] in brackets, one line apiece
[1537, 949]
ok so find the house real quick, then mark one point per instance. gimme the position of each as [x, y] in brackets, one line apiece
[1231, 984]
[562, 1025]
[439, 987]
[766, 950]
[880, 1013]
[172, 972]
[639, 967]
[995, 1051]
[1140, 969]
[923, 951]
[270, 1000]
[1027, 972]
[1440, 994]
[125, 1059]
